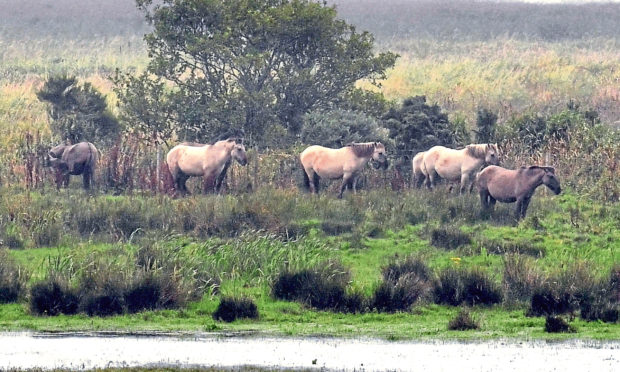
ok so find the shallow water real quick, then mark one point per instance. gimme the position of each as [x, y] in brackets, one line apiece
[24, 350]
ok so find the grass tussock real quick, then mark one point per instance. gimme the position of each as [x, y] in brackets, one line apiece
[404, 283]
[231, 309]
[463, 321]
[463, 286]
[557, 324]
[12, 278]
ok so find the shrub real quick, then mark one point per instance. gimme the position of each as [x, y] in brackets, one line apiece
[52, 297]
[12, 279]
[555, 324]
[463, 321]
[231, 309]
[449, 238]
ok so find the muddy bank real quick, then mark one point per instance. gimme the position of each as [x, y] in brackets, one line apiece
[23, 350]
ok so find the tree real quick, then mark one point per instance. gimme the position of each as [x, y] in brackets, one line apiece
[78, 111]
[416, 126]
[256, 65]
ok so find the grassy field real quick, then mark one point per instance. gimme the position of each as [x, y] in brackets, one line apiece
[213, 247]
[562, 237]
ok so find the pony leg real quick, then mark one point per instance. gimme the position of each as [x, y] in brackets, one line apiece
[430, 184]
[86, 179]
[484, 200]
[346, 179]
[464, 183]
[524, 205]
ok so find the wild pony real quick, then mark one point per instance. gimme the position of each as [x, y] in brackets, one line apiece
[207, 161]
[418, 171]
[509, 186]
[345, 162]
[73, 160]
[458, 165]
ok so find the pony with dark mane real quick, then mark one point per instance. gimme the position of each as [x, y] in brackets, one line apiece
[346, 163]
[208, 161]
[509, 186]
[458, 165]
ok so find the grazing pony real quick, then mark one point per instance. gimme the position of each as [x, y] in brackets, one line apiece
[458, 165]
[509, 186]
[345, 162]
[208, 161]
[73, 160]
[418, 170]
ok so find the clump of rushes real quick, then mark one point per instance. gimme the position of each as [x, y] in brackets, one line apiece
[463, 321]
[231, 309]
[403, 284]
[12, 278]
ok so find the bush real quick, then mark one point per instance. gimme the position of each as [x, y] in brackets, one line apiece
[337, 128]
[12, 278]
[52, 297]
[463, 321]
[231, 309]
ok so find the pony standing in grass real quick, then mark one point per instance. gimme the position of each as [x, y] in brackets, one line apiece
[346, 163]
[458, 165]
[207, 161]
[509, 186]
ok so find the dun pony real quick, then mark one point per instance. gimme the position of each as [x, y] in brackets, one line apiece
[207, 161]
[458, 165]
[345, 162]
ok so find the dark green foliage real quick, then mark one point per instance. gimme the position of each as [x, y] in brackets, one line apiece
[231, 309]
[78, 111]
[556, 324]
[449, 238]
[486, 122]
[472, 287]
[337, 128]
[53, 297]
[463, 321]
[12, 278]
[416, 126]
[253, 65]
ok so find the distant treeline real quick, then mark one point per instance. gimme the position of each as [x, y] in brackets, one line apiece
[386, 19]
[480, 20]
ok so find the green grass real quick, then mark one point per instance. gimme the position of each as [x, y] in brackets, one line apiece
[571, 231]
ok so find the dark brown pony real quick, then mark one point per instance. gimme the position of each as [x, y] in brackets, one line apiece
[509, 186]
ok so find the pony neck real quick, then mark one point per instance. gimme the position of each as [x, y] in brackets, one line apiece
[537, 179]
[477, 151]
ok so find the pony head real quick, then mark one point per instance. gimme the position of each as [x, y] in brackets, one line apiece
[238, 153]
[550, 180]
[379, 155]
[491, 154]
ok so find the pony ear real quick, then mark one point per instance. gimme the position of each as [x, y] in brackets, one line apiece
[549, 169]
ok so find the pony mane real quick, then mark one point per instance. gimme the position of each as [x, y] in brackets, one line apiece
[363, 150]
[192, 144]
[477, 150]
